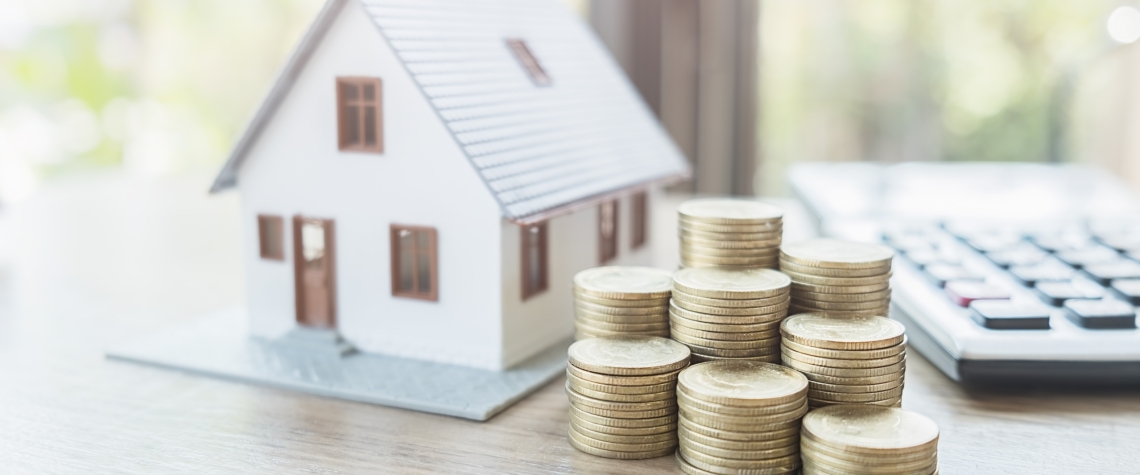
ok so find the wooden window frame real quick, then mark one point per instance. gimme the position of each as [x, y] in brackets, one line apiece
[529, 290]
[342, 104]
[608, 246]
[433, 257]
[639, 220]
[529, 63]
[263, 221]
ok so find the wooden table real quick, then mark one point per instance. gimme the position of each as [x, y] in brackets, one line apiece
[96, 260]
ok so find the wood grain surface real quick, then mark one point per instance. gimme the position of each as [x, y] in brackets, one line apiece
[94, 261]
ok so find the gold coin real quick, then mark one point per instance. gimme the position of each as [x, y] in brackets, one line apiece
[843, 372]
[684, 399]
[671, 427]
[730, 303]
[729, 211]
[685, 432]
[866, 333]
[619, 447]
[872, 465]
[694, 456]
[689, 225]
[615, 414]
[838, 363]
[703, 265]
[871, 430]
[741, 423]
[858, 388]
[813, 466]
[575, 441]
[693, 260]
[842, 306]
[684, 232]
[677, 320]
[626, 319]
[691, 469]
[770, 246]
[623, 423]
[702, 253]
[635, 303]
[611, 397]
[733, 311]
[729, 284]
[617, 389]
[726, 336]
[602, 309]
[856, 398]
[588, 334]
[837, 254]
[624, 282]
[818, 403]
[808, 444]
[582, 400]
[772, 358]
[847, 354]
[764, 454]
[817, 280]
[624, 439]
[881, 295]
[839, 289]
[880, 312]
[742, 383]
[854, 381]
[620, 327]
[832, 272]
[704, 350]
[764, 433]
[727, 345]
[629, 356]
[663, 378]
[729, 319]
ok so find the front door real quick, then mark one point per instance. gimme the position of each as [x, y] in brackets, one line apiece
[314, 271]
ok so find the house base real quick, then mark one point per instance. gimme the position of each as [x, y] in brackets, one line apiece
[219, 346]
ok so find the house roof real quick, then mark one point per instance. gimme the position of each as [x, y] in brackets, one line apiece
[539, 149]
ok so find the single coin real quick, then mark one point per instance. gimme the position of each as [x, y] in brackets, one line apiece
[683, 399]
[702, 265]
[871, 430]
[727, 319]
[677, 320]
[842, 306]
[648, 414]
[790, 430]
[655, 302]
[604, 396]
[838, 363]
[738, 454]
[772, 358]
[629, 356]
[602, 309]
[624, 439]
[672, 427]
[726, 336]
[743, 383]
[575, 441]
[617, 282]
[837, 254]
[740, 423]
[847, 354]
[728, 284]
[689, 225]
[871, 465]
[813, 466]
[581, 334]
[808, 444]
[817, 280]
[818, 403]
[854, 381]
[839, 289]
[832, 272]
[855, 398]
[732, 311]
[693, 455]
[694, 260]
[582, 400]
[616, 389]
[704, 350]
[587, 324]
[859, 388]
[770, 246]
[823, 297]
[623, 423]
[731, 303]
[663, 378]
[843, 372]
[701, 468]
[729, 211]
[619, 447]
[865, 333]
[619, 319]
[683, 232]
[727, 345]
[880, 312]
[685, 432]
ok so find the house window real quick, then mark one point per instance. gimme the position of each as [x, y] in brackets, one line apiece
[360, 118]
[528, 61]
[607, 230]
[534, 260]
[639, 221]
[270, 237]
[414, 262]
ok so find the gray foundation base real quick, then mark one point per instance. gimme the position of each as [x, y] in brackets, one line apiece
[219, 346]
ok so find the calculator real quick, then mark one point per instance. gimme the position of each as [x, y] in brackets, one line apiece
[1004, 273]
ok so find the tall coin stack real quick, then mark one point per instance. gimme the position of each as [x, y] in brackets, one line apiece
[612, 301]
[729, 314]
[838, 278]
[623, 398]
[740, 417]
[718, 232]
[868, 439]
[856, 360]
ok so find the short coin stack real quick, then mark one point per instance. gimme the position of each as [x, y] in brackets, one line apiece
[838, 278]
[718, 232]
[740, 417]
[856, 360]
[623, 398]
[728, 313]
[611, 301]
[869, 439]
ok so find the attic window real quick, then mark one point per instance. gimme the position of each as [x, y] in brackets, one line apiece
[523, 54]
[360, 118]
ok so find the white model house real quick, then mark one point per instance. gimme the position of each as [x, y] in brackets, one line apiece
[427, 176]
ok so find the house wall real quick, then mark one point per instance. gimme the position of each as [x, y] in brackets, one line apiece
[422, 178]
[573, 245]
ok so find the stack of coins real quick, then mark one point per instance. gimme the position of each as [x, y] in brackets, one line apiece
[740, 417]
[838, 278]
[613, 301]
[728, 313]
[868, 439]
[856, 360]
[623, 395]
[729, 233]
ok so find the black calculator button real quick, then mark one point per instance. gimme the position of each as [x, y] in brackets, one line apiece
[1007, 315]
[940, 274]
[1050, 271]
[1057, 293]
[1101, 314]
[1107, 272]
[1127, 289]
[1092, 255]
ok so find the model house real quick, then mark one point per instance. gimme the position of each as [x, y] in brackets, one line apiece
[426, 177]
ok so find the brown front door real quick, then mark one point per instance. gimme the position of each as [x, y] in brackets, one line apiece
[314, 269]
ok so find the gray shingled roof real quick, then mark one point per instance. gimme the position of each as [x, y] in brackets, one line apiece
[537, 148]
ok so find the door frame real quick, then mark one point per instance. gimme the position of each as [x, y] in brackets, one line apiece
[299, 267]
